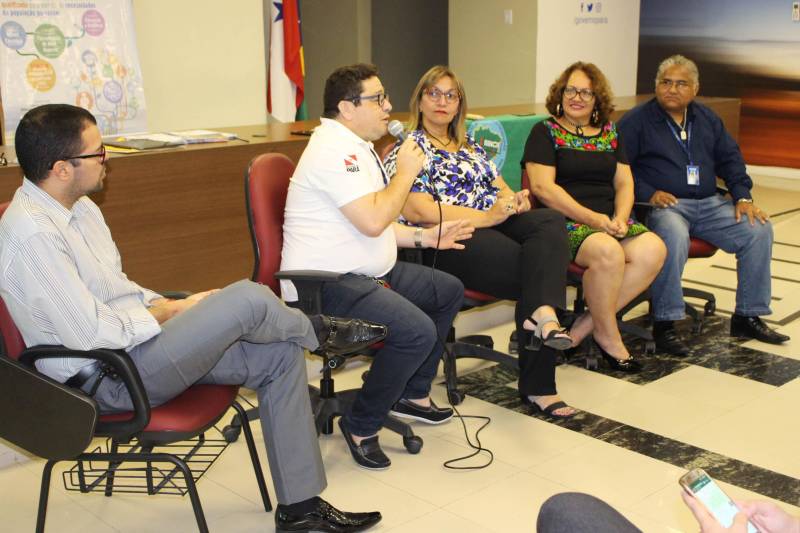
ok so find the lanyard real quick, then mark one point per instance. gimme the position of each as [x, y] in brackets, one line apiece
[686, 147]
[380, 166]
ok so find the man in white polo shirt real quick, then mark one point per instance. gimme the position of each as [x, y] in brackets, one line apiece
[341, 215]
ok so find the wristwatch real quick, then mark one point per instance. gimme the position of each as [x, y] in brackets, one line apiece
[744, 201]
[418, 238]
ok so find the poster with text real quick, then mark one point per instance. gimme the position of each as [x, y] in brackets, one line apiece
[73, 52]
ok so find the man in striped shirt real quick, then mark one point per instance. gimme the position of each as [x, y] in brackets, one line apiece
[61, 278]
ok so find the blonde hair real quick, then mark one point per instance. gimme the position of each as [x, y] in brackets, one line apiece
[457, 128]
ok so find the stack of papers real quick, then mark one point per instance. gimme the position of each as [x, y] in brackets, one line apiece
[203, 136]
[148, 141]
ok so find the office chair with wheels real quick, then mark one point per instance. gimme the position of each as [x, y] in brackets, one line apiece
[57, 423]
[469, 346]
[266, 186]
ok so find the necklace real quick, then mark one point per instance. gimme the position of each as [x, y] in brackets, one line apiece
[578, 127]
[682, 126]
[437, 139]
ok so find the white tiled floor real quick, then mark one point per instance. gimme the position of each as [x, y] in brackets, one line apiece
[533, 459]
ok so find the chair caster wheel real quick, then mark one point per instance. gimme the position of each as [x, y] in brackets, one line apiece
[650, 347]
[413, 444]
[592, 363]
[231, 433]
[455, 397]
[364, 376]
[710, 308]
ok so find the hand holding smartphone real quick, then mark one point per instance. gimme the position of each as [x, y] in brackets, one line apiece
[702, 488]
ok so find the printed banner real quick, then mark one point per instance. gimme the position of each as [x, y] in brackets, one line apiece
[74, 52]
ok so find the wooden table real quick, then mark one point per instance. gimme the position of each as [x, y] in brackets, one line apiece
[178, 214]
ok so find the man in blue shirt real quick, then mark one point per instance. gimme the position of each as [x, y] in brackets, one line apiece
[677, 148]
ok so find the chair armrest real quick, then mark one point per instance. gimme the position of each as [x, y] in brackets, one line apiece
[121, 363]
[309, 287]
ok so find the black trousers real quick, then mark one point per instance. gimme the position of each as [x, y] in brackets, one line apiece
[524, 259]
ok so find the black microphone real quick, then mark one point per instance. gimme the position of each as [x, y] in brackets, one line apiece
[397, 131]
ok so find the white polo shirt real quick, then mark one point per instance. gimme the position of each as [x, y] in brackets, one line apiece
[336, 168]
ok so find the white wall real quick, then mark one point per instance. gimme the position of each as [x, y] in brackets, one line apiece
[203, 62]
[569, 32]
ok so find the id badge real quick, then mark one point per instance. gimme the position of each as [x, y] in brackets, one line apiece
[692, 174]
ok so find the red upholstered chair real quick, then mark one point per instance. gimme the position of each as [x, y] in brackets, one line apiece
[37, 423]
[266, 186]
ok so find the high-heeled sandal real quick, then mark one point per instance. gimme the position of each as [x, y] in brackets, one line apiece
[629, 365]
[558, 338]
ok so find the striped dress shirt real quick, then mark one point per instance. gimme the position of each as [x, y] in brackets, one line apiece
[62, 281]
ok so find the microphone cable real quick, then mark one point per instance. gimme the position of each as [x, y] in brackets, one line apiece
[477, 447]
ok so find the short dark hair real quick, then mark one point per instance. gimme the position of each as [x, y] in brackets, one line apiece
[47, 134]
[344, 84]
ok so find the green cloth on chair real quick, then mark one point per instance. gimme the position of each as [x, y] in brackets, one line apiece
[503, 137]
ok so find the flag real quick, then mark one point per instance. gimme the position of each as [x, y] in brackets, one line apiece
[285, 86]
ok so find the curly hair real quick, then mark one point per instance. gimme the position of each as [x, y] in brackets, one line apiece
[602, 92]
[457, 128]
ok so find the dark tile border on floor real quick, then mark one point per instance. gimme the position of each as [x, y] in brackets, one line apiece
[492, 385]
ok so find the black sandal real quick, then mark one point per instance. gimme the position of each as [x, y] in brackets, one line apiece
[558, 338]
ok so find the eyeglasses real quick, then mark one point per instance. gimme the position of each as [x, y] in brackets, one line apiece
[585, 94]
[380, 98]
[436, 95]
[681, 85]
[101, 154]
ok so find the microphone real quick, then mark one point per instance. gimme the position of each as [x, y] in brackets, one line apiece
[397, 131]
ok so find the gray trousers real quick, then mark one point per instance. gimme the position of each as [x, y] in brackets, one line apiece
[575, 512]
[241, 335]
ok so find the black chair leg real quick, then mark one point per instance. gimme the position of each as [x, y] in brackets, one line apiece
[44, 495]
[112, 467]
[191, 487]
[251, 447]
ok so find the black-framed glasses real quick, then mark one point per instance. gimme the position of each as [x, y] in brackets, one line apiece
[380, 98]
[585, 94]
[101, 154]
[436, 95]
[681, 85]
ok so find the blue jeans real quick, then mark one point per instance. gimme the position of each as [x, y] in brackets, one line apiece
[711, 219]
[418, 309]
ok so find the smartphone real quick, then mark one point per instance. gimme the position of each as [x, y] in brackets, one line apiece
[701, 486]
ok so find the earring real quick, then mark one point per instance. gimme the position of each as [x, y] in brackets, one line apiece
[595, 116]
[559, 110]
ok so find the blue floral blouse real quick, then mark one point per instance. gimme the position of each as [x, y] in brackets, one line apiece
[464, 178]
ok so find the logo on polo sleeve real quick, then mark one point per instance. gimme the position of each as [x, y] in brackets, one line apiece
[351, 163]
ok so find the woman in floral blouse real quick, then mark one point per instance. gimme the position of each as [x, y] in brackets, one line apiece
[515, 253]
[577, 165]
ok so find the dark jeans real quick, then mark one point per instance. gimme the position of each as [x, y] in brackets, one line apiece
[524, 259]
[417, 308]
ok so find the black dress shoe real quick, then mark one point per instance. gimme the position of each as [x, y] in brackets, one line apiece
[342, 336]
[325, 517]
[367, 454]
[753, 327]
[430, 415]
[667, 340]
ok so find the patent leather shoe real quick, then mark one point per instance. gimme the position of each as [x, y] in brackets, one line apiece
[432, 414]
[367, 453]
[667, 340]
[342, 336]
[624, 365]
[753, 327]
[324, 517]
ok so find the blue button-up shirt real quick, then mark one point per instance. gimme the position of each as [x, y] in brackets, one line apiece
[658, 160]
